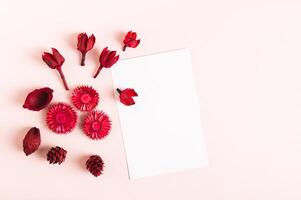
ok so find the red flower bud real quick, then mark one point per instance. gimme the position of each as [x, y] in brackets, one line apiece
[126, 96]
[84, 45]
[38, 99]
[55, 61]
[31, 141]
[130, 40]
[107, 59]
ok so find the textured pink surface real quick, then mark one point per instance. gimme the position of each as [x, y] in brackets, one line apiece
[246, 58]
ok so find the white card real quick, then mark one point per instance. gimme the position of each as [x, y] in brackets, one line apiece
[162, 132]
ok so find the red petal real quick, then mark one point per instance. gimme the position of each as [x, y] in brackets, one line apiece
[130, 92]
[103, 56]
[112, 54]
[110, 62]
[134, 35]
[58, 57]
[130, 36]
[126, 100]
[126, 96]
[31, 141]
[49, 60]
[133, 43]
[38, 99]
[81, 42]
[91, 42]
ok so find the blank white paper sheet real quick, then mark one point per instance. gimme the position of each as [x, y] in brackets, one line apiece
[162, 132]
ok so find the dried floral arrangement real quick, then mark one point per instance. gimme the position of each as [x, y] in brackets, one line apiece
[62, 117]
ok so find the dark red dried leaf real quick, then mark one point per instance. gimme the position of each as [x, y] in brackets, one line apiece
[38, 99]
[31, 141]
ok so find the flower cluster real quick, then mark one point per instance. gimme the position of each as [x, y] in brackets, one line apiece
[61, 117]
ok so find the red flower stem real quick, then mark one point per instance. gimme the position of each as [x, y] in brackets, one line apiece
[63, 78]
[98, 71]
[118, 90]
[124, 47]
[83, 59]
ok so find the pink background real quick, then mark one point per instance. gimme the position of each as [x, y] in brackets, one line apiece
[246, 57]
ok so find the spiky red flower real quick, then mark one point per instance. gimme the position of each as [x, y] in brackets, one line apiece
[85, 98]
[61, 118]
[97, 125]
[95, 165]
[130, 40]
[126, 96]
[38, 99]
[85, 44]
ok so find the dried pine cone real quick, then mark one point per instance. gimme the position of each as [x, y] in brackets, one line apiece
[56, 155]
[95, 165]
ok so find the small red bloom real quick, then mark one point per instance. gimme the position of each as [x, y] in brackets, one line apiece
[130, 40]
[95, 165]
[97, 125]
[85, 98]
[31, 141]
[61, 118]
[84, 45]
[126, 96]
[107, 59]
[55, 61]
[38, 99]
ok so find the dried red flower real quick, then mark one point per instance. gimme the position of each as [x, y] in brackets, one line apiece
[38, 99]
[56, 155]
[55, 61]
[85, 44]
[85, 98]
[95, 165]
[130, 40]
[61, 118]
[107, 59]
[97, 125]
[126, 96]
[31, 141]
